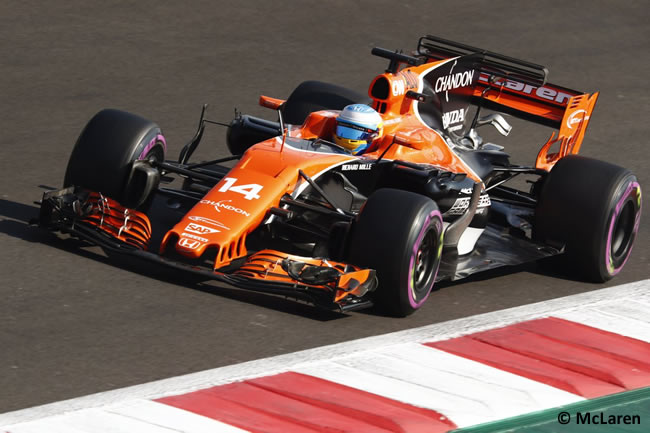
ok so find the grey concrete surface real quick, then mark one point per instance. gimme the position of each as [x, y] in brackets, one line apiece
[72, 323]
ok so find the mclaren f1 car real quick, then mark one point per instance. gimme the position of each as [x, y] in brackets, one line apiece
[292, 213]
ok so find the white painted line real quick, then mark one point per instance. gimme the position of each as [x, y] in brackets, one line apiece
[89, 421]
[55, 425]
[171, 417]
[632, 309]
[627, 318]
[459, 388]
[135, 416]
[626, 294]
[447, 371]
[394, 388]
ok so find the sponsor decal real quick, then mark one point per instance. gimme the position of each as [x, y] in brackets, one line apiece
[189, 243]
[453, 81]
[355, 167]
[461, 205]
[223, 204]
[452, 117]
[411, 79]
[199, 229]
[198, 238]
[399, 87]
[577, 116]
[209, 221]
[391, 121]
[541, 92]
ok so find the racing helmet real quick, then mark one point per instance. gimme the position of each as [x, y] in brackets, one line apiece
[356, 127]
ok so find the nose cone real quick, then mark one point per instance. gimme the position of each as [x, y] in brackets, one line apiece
[196, 233]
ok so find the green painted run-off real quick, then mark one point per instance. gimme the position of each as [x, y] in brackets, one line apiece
[633, 404]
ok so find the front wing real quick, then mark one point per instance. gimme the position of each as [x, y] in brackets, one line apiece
[116, 229]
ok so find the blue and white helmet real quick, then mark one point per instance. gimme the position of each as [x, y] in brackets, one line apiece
[356, 127]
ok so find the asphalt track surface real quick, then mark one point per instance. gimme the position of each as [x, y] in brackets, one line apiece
[72, 323]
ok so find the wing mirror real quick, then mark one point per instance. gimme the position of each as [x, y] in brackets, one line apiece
[142, 181]
[404, 140]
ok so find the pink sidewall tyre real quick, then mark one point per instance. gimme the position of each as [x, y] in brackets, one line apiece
[593, 208]
[399, 234]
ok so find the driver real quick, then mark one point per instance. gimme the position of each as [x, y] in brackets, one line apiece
[356, 127]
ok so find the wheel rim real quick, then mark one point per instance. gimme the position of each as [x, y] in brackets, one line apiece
[425, 263]
[155, 155]
[623, 225]
[623, 232]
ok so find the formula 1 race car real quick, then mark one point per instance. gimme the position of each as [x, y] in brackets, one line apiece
[292, 213]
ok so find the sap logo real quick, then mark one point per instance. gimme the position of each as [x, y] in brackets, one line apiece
[189, 244]
[577, 116]
[199, 229]
[399, 87]
[208, 221]
[452, 117]
[454, 81]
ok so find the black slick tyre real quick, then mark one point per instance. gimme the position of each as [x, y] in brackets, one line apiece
[103, 155]
[399, 234]
[593, 208]
[312, 96]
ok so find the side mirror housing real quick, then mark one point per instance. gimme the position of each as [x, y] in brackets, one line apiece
[404, 140]
[142, 181]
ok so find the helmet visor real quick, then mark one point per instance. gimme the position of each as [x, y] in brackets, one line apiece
[354, 132]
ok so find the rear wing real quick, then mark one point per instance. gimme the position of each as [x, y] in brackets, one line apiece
[520, 88]
[436, 48]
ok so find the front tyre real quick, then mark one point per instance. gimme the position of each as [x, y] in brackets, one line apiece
[399, 234]
[594, 209]
[103, 156]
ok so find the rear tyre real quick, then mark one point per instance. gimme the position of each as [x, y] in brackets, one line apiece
[312, 96]
[399, 234]
[594, 209]
[103, 156]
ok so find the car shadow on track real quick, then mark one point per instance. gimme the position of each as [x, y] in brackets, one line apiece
[17, 220]
[549, 267]
[552, 267]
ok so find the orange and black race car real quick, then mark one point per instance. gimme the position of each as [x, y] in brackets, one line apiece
[300, 211]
